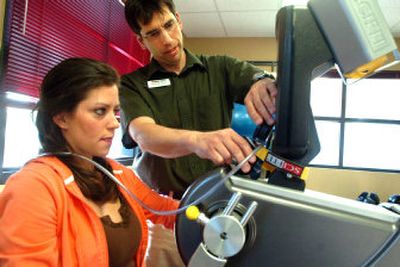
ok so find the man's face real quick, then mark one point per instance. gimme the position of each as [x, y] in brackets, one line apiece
[162, 36]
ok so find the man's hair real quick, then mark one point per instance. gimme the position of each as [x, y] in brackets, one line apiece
[142, 11]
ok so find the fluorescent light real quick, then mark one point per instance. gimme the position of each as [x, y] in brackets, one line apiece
[21, 98]
[294, 2]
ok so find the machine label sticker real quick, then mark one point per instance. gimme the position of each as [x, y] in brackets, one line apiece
[158, 83]
[284, 165]
[289, 167]
[275, 161]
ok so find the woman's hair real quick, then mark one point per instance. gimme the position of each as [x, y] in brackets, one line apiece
[62, 89]
[142, 11]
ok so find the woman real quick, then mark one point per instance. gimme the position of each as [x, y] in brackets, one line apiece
[60, 210]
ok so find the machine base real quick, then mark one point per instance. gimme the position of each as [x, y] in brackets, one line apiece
[294, 228]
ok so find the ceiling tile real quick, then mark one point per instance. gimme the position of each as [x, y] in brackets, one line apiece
[195, 6]
[249, 5]
[389, 3]
[392, 15]
[249, 24]
[240, 18]
[202, 25]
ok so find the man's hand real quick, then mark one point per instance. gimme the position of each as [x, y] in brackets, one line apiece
[222, 147]
[260, 101]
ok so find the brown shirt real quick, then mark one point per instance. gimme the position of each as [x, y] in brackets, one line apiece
[123, 238]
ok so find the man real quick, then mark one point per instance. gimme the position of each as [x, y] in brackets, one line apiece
[178, 108]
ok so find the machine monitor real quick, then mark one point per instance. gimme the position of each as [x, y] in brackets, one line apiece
[351, 35]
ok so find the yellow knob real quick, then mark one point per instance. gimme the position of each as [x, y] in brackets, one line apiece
[305, 174]
[192, 213]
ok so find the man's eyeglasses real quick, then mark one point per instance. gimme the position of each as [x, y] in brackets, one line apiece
[155, 34]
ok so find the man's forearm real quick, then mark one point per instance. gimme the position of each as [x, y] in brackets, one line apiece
[220, 146]
[163, 141]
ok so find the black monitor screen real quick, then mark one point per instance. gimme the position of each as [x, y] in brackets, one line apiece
[302, 56]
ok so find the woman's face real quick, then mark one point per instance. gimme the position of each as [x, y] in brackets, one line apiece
[89, 129]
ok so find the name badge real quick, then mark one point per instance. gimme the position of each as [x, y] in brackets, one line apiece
[158, 83]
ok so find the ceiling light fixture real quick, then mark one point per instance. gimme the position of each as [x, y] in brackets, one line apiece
[294, 2]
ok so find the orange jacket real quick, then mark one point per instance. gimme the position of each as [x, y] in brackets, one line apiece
[45, 221]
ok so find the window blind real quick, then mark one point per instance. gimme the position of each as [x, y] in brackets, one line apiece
[55, 30]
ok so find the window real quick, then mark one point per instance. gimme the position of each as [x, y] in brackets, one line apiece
[358, 124]
[372, 145]
[329, 138]
[326, 97]
[21, 138]
[326, 100]
[22, 142]
[374, 99]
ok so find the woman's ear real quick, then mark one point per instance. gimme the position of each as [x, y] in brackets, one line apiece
[61, 120]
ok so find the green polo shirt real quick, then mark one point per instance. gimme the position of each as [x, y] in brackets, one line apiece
[200, 98]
